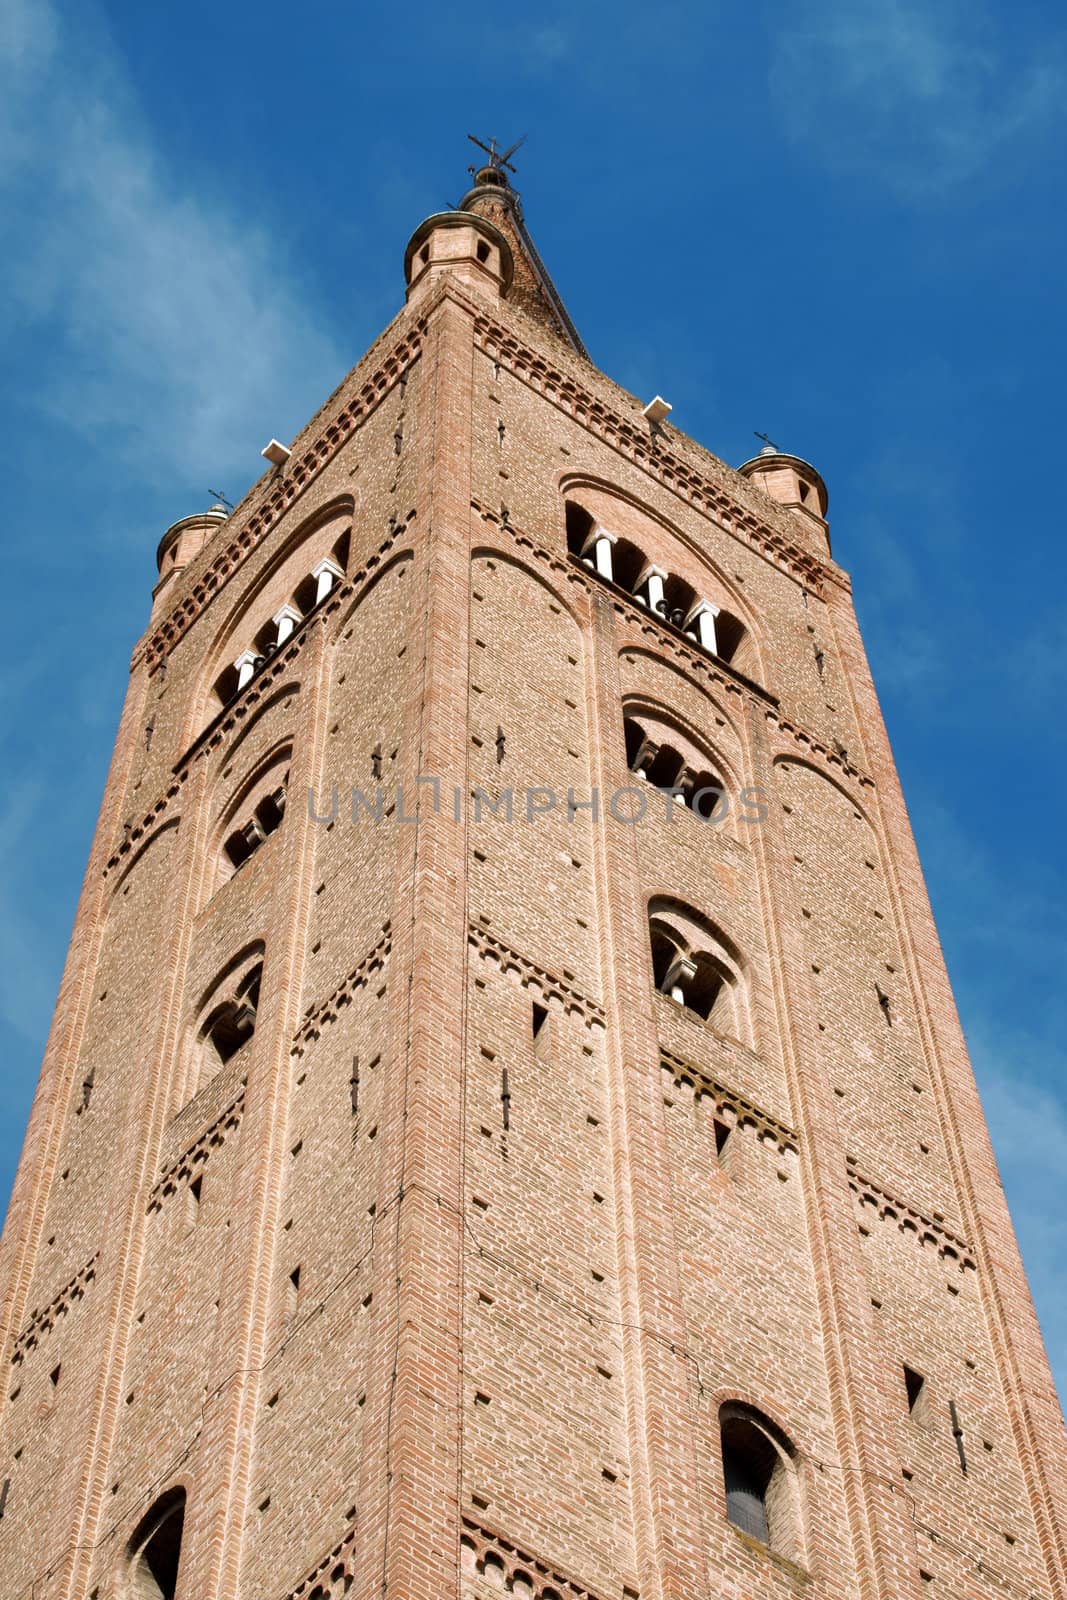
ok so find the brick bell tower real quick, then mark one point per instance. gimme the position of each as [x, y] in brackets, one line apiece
[505, 1128]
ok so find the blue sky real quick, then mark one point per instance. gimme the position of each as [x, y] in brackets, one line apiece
[841, 222]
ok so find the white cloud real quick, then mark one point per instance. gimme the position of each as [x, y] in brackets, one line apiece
[1028, 1125]
[924, 97]
[178, 333]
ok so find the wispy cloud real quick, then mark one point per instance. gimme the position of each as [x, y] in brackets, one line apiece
[173, 320]
[923, 97]
[1029, 1128]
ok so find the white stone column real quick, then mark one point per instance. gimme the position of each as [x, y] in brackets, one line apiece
[326, 573]
[602, 543]
[285, 621]
[680, 972]
[652, 580]
[246, 665]
[704, 614]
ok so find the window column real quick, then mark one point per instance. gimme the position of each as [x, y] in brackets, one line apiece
[704, 614]
[285, 621]
[326, 573]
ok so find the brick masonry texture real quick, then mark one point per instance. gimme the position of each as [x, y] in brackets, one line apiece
[438, 1284]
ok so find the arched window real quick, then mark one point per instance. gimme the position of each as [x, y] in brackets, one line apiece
[580, 525]
[155, 1550]
[759, 1478]
[312, 570]
[695, 965]
[658, 754]
[257, 812]
[226, 1021]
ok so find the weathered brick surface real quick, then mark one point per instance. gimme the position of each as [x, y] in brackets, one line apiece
[392, 1332]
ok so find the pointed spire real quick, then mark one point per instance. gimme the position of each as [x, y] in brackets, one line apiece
[494, 198]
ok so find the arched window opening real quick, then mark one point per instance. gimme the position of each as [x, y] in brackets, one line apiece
[729, 634]
[695, 966]
[580, 525]
[679, 598]
[629, 563]
[156, 1548]
[653, 757]
[266, 818]
[258, 812]
[760, 1480]
[229, 1023]
[274, 626]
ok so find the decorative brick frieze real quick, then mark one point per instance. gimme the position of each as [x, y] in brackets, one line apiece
[328, 1010]
[743, 1112]
[814, 747]
[655, 458]
[281, 492]
[515, 1571]
[927, 1231]
[331, 1577]
[531, 976]
[192, 1160]
[132, 836]
[43, 1321]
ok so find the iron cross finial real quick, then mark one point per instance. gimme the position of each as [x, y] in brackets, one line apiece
[765, 437]
[497, 158]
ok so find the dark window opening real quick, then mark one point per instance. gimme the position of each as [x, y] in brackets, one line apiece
[914, 1384]
[226, 685]
[728, 635]
[306, 594]
[666, 768]
[748, 1460]
[579, 526]
[232, 1024]
[759, 1480]
[539, 1018]
[664, 954]
[707, 797]
[266, 819]
[722, 1137]
[158, 1550]
[635, 739]
[482, 250]
[679, 598]
[704, 989]
[627, 564]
